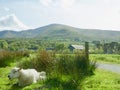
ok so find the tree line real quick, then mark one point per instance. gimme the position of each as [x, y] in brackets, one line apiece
[108, 47]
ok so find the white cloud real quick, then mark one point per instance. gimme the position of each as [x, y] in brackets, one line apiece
[46, 2]
[11, 22]
[103, 14]
[112, 3]
[67, 3]
[6, 9]
[62, 3]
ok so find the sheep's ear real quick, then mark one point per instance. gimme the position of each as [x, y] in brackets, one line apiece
[19, 69]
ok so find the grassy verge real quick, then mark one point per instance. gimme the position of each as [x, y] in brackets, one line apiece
[106, 58]
[102, 80]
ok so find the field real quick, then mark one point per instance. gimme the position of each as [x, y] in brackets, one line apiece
[106, 58]
[64, 71]
[102, 80]
[63, 77]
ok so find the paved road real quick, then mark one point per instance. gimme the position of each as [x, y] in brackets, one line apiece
[111, 67]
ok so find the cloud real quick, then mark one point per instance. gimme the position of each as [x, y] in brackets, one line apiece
[81, 13]
[112, 3]
[11, 22]
[6, 9]
[67, 3]
[46, 2]
[62, 3]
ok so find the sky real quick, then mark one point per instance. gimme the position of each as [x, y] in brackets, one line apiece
[89, 14]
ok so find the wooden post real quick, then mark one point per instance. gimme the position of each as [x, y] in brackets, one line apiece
[87, 50]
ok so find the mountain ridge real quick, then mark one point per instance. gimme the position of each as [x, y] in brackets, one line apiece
[53, 31]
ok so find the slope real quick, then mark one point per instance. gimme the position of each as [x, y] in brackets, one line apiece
[58, 31]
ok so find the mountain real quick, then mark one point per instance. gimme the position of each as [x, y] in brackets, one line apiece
[58, 31]
[11, 22]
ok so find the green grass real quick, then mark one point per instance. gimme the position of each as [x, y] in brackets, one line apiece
[6, 84]
[106, 58]
[102, 80]
[62, 71]
[8, 57]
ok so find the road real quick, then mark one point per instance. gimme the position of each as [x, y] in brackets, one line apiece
[110, 67]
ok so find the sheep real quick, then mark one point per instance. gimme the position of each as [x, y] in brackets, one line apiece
[26, 76]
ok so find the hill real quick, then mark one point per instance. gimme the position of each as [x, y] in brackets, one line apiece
[58, 31]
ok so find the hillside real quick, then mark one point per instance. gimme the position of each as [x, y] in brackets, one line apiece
[58, 31]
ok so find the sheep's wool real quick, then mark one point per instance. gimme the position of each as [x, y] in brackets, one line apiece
[26, 76]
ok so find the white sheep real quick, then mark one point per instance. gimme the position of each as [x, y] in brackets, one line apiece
[26, 76]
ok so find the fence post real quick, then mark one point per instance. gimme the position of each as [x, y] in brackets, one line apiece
[87, 50]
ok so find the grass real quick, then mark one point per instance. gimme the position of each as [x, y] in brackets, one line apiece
[62, 71]
[59, 66]
[8, 57]
[106, 58]
[102, 80]
[61, 80]
[6, 84]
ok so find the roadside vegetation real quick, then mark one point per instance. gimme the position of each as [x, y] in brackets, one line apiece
[102, 80]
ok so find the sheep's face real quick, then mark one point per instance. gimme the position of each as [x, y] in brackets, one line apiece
[14, 73]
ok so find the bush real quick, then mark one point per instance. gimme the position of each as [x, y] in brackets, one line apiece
[5, 58]
[65, 64]
[8, 57]
[76, 67]
[43, 61]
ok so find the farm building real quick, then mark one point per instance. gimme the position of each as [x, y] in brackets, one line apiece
[76, 47]
[50, 48]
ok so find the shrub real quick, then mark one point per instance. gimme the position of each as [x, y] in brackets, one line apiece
[65, 64]
[5, 58]
[76, 67]
[8, 57]
[43, 61]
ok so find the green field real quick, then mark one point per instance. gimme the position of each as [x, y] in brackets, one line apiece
[102, 80]
[106, 58]
[6, 84]
[64, 71]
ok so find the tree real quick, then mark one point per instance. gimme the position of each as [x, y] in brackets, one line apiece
[59, 47]
[3, 44]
